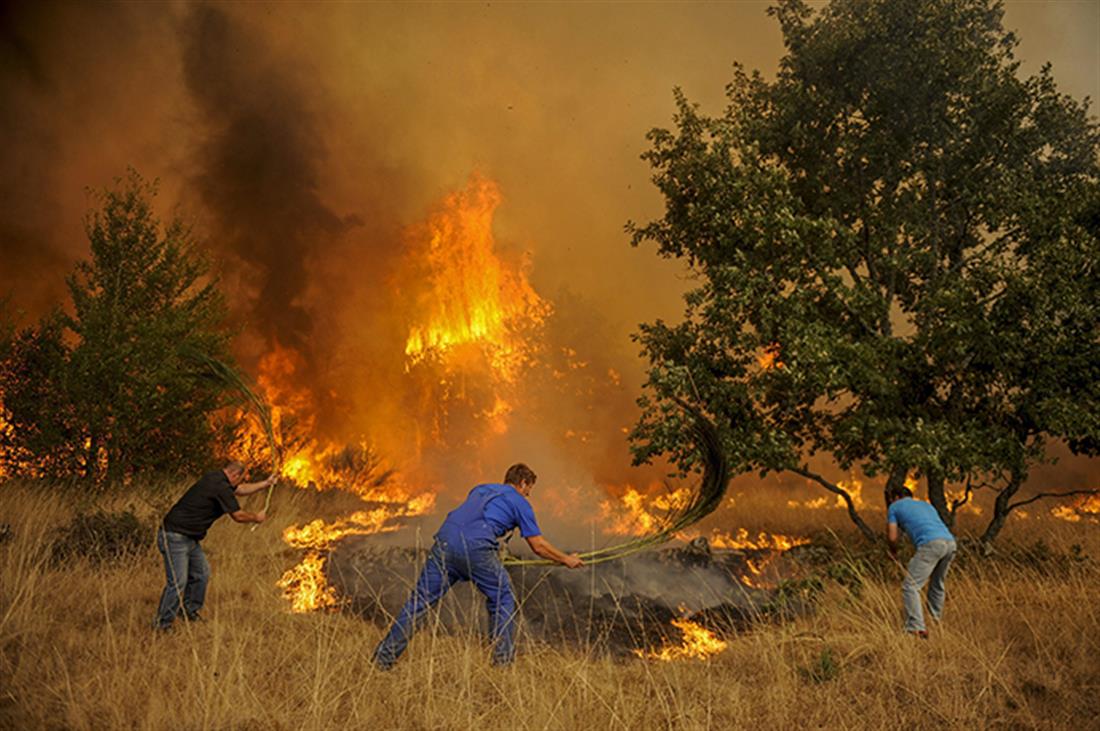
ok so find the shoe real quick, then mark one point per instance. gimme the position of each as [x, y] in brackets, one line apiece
[196, 617]
[922, 633]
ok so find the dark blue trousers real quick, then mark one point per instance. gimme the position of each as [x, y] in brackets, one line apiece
[445, 567]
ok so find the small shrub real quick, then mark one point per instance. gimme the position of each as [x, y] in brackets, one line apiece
[101, 536]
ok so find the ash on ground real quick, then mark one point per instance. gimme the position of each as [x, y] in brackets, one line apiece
[617, 607]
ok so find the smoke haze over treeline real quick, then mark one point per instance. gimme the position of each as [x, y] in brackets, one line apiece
[304, 141]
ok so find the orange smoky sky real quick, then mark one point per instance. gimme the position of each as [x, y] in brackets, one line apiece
[304, 140]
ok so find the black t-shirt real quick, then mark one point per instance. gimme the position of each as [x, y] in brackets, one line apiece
[204, 502]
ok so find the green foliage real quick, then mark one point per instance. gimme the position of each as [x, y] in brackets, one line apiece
[41, 435]
[906, 229]
[101, 536]
[111, 390]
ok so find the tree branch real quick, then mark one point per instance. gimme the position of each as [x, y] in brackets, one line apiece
[956, 504]
[844, 495]
[1041, 495]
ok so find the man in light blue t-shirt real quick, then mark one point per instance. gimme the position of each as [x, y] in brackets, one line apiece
[935, 547]
[466, 549]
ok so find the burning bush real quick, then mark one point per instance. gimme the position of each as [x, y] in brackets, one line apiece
[101, 536]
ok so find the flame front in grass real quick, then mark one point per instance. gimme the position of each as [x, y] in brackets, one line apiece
[1086, 506]
[853, 487]
[763, 541]
[319, 534]
[638, 513]
[467, 294]
[305, 585]
[697, 643]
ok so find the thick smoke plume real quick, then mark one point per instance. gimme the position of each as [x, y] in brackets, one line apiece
[260, 168]
[304, 144]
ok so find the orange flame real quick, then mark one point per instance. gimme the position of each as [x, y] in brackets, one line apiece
[319, 534]
[769, 358]
[305, 585]
[1083, 507]
[853, 487]
[472, 297]
[697, 643]
[755, 578]
[763, 541]
[637, 513]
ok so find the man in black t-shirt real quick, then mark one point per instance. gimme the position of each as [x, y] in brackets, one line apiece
[185, 565]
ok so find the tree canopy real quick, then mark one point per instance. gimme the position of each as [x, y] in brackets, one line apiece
[895, 248]
[110, 389]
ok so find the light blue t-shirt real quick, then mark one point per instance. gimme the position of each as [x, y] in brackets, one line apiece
[511, 509]
[919, 520]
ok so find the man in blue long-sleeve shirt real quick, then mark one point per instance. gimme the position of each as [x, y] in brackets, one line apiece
[935, 547]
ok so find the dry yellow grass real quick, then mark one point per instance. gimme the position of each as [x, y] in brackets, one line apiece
[1020, 648]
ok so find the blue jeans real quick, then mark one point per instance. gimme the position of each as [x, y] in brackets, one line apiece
[446, 566]
[187, 573]
[928, 565]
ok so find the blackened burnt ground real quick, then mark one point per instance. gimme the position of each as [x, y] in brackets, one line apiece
[614, 608]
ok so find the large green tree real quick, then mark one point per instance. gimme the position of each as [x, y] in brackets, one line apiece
[893, 252]
[111, 389]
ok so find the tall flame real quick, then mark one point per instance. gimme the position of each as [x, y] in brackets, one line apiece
[471, 296]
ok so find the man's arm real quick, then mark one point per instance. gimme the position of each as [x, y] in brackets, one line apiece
[892, 538]
[251, 487]
[544, 548]
[243, 516]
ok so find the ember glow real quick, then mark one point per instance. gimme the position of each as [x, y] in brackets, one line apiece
[768, 358]
[697, 643]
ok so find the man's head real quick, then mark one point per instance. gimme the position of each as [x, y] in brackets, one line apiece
[234, 472]
[897, 493]
[521, 477]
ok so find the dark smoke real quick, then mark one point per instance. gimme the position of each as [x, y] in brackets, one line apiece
[26, 201]
[260, 165]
